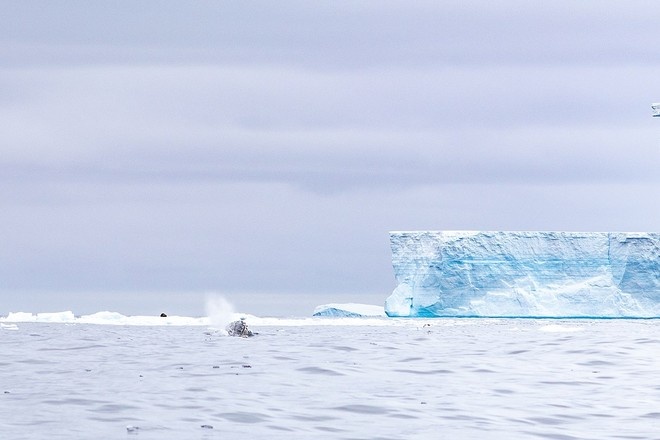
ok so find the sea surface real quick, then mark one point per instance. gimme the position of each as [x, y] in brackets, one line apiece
[334, 379]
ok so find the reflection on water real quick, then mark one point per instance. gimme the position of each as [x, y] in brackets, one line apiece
[467, 379]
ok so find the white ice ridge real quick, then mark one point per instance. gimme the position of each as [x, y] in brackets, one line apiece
[525, 274]
[348, 310]
[10, 321]
[102, 318]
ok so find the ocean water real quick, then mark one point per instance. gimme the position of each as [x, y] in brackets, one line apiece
[332, 378]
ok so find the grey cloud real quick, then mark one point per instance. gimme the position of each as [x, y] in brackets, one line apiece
[329, 132]
[330, 35]
[260, 237]
[261, 147]
[201, 98]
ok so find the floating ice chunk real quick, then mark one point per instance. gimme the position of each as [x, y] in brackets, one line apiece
[656, 109]
[114, 318]
[66, 317]
[509, 274]
[104, 318]
[349, 310]
[20, 317]
[399, 303]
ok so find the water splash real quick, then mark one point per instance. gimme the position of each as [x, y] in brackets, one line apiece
[219, 310]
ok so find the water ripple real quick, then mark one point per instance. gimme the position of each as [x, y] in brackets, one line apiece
[363, 409]
[321, 371]
[474, 379]
[243, 417]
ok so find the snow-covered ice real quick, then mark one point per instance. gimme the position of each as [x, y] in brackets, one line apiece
[117, 319]
[349, 310]
[104, 318]
[541, 274]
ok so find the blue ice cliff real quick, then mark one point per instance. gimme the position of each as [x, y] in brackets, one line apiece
[525, 274]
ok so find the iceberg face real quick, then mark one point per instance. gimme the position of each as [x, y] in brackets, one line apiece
[525, 274]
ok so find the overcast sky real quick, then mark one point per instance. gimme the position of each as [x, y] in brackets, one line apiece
[152, 152]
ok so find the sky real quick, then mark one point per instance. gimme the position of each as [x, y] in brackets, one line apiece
[154, 153]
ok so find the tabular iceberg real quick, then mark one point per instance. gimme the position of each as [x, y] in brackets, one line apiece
[348, 310]
[525, 274]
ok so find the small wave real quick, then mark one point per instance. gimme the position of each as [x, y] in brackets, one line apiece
[321, 371]
[556, 328]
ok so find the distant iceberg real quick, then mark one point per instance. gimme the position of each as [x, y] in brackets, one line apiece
[525, 274]
[101, 318]
[349, 310]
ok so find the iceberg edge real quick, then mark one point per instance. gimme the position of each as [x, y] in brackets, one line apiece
[535, 274]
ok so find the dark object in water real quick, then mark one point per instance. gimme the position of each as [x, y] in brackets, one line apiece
[163, 315]
[239, 328]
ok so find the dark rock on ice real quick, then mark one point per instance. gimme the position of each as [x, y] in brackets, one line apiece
[239, 328]
[163, 315]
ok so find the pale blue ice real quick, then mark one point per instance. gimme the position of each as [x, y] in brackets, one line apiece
[525, 274]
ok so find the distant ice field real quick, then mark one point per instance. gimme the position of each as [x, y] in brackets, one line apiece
[359, 378]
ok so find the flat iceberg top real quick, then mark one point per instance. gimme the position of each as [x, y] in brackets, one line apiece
[349, 310]
[525, 273]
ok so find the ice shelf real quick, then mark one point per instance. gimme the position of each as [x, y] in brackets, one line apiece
[525, 274]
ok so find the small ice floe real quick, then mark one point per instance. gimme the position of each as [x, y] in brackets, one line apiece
[56, 317]
[349, 310]
[239, 328]
[132, 429]
[9, 326]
